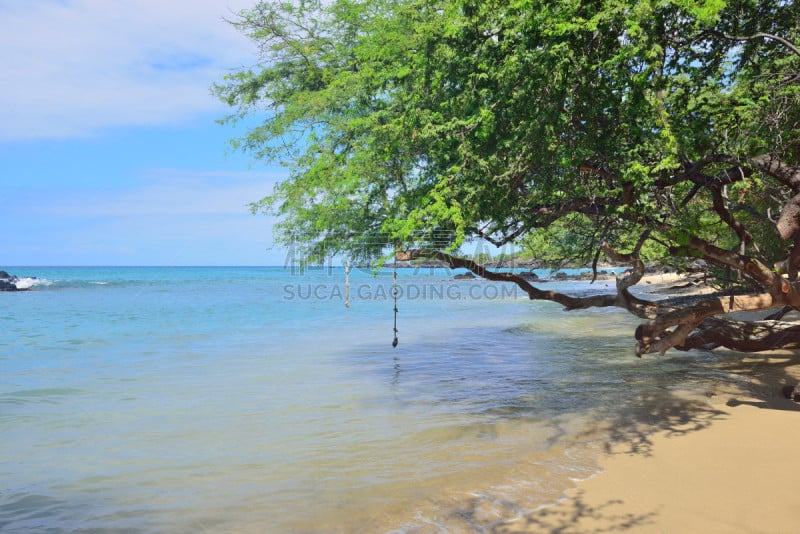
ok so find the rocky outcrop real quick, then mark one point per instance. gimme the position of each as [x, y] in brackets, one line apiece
[8, 282]
[516, 263]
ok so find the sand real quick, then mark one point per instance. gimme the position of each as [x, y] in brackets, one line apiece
[739, 474]
[729, 467]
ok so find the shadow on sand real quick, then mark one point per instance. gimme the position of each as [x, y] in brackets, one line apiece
[631, 432]
[563, 519]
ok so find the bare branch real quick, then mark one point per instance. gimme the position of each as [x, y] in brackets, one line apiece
[620, 299]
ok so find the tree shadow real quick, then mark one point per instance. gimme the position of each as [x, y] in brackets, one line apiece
[631, 430]
[759, 381]
[664, 413]
[567, 516]
[769, 375]
[778, 404]
[650, 401]
[576, 515]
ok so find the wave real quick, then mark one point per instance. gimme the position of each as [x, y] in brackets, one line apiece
[30, 283]
[34, 283]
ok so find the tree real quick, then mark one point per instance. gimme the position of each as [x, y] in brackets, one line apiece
[416, 124]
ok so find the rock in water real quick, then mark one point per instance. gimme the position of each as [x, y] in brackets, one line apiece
[8, 282]
[7, 286]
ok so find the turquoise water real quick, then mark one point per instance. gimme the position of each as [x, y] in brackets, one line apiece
[253, 400]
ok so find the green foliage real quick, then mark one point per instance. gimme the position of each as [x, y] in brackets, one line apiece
[573, 240]
[557, 123]
[562, 243]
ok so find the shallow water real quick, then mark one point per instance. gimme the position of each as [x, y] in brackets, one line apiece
[253, 400]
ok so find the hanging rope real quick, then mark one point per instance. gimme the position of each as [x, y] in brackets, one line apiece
[346, 284]
[395, 291]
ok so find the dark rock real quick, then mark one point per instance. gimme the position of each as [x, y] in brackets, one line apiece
[6, 285]
[514, 263]
[8, 282]
[464, 276]
[792, 392]
[697, 266]
[560, 276]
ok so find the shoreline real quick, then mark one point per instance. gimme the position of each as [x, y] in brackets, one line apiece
[466, 467]
[725, 467]
[735, 475]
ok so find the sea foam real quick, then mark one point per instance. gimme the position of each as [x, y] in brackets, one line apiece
[28, 283]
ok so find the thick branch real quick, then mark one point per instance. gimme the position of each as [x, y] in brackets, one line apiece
[788, 224]
[569, 302]
[743, 336]
[656, 336]
[638, 266]
[726, 216]
[769, 164]
[793, 263]
[694, 173]
[671, 327]
[752, 267]
[772, 165]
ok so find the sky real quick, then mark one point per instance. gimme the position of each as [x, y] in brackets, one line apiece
[110, 153]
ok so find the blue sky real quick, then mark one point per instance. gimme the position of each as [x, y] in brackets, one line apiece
[109, 150]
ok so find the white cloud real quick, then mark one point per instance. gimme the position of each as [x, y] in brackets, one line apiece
[71, 68]
[167, 192]
[169, 216]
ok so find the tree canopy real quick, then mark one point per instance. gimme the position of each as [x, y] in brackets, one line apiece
[417, 124]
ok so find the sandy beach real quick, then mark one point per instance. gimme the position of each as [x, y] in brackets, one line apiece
[737, 475]
[726, 465]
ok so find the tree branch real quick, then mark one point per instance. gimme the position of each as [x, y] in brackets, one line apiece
[722, 210]
[772, 165]
[789, 222]
[656, 336]
[749, 266]
[759, 35]
[755, 336]
[621, 299]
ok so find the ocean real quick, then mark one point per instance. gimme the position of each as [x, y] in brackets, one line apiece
[269, 399]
